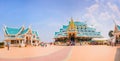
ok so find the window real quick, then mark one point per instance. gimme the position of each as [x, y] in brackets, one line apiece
[79, 26]
[81, 30]
[63, 31]
[94, 34]
[17, 41]
[12, 36]
[12, 41]
[89, 31]
[34, 36]
[33, 41]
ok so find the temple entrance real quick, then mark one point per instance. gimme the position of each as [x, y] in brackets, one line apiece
[72, 39]
[28, 40]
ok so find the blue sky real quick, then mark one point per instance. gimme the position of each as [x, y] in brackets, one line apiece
[48, 16]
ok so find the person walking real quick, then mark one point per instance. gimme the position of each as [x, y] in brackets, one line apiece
[110, 42]
[8, 45]
[80, 43]
[113, 41]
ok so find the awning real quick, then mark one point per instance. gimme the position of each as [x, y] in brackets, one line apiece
[100, 39]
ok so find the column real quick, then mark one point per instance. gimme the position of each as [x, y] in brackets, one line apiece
[31, 40]
[25, 39]
[19, 43]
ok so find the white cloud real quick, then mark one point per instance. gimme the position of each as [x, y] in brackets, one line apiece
[93, 8]
[104, 16]
[114, 8]
[115, 12]
[101, 15]
[90, 14]
[97, 1]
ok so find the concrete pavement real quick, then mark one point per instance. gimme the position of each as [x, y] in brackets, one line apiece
[62, 53]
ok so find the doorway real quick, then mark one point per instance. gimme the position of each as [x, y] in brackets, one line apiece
[72, 39]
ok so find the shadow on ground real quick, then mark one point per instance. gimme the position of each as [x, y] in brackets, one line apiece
[117, 55]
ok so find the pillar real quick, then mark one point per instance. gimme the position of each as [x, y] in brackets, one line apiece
[25, 39]
[19, 42]
[31, 40]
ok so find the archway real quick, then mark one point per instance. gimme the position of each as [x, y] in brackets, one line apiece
[72, 38]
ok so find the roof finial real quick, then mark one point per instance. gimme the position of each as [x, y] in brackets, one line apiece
[113, 17]
[114, 22]
[4, 25]
[23, 25]
[71, 19]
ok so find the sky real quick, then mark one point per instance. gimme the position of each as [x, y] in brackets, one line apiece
[48, 16]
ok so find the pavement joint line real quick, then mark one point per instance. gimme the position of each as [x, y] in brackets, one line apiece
[69, 55]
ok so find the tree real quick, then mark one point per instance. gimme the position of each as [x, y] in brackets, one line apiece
[110, 33]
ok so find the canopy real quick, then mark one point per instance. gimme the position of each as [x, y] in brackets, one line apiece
[100, 39]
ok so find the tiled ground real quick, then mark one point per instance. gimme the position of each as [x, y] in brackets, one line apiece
[62, 53]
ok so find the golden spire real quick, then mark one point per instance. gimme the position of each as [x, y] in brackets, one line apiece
[72, 25]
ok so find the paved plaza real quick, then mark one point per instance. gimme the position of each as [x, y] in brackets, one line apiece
[61, 53]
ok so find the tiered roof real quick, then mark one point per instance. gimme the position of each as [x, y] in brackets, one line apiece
[82, 30]
[18, 31]
[12, 31]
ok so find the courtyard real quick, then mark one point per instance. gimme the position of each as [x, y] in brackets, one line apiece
[61, 53]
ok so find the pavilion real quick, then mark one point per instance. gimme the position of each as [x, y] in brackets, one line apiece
[19, 36]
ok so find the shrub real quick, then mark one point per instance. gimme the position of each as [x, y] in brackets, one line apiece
[2, 44]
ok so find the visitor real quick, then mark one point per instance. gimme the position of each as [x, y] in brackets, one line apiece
[110, 42]
[72, 40]
[8, 45]
[45, 45]
[80, 43]
[113, 41]
[41, 44]
[68, 42]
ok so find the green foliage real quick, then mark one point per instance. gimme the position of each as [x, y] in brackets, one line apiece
[110, 33]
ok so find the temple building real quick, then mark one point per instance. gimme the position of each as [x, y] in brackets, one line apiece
[76, 32]
[117, 33]
[20, 36]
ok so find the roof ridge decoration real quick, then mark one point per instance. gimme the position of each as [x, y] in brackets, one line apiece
[28, 30]
[21, 29]
[4, 30]
[35, 32]
[25, 31]
[117, 28]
